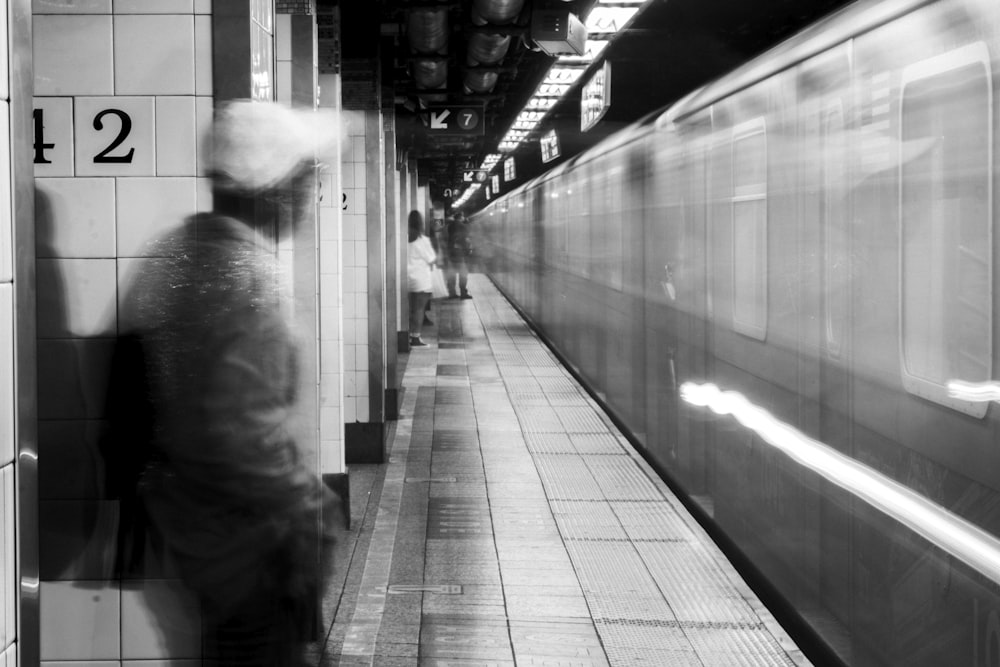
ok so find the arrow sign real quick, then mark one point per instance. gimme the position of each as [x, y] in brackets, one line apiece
[438, 120]
[454, 120]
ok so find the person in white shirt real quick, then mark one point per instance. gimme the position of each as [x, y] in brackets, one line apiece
[420, 259]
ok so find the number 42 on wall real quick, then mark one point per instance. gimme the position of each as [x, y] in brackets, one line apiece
[94, 136]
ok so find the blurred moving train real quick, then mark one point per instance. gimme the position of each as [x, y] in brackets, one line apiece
[783, 286]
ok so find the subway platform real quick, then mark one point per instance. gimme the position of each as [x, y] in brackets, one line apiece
[515, 525]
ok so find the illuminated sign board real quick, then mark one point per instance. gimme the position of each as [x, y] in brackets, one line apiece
[495, 182]
[549, 143]
[509, 171]
[595, 97]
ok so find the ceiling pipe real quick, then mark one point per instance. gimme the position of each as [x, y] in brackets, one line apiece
[480, 82]
[487, 48]
[495, 11]
[429, 73]
[427, 30]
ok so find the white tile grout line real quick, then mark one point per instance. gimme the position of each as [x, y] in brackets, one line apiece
[366, 620]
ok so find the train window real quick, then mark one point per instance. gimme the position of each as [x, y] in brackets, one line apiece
[836, 270]
[946, 260]
[750, 229]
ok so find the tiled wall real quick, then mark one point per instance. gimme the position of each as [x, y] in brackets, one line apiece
[354, 160]
[8, 585]
[130, 80]
[332, 299]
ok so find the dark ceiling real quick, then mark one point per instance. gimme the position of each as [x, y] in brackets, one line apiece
[672, 47]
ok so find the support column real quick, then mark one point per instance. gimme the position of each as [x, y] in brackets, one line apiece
[393, 378]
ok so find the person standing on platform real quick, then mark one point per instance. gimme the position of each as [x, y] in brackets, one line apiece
[420, 260]
[231, 503]
[459, 252]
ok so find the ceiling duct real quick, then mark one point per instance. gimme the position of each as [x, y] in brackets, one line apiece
[480, 82]
[427, 30]
[429, 73]
[489, 48]
[498, 12]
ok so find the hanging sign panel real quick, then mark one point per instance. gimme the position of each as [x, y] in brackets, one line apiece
[595, 97]
[454, 120]
[549, 143]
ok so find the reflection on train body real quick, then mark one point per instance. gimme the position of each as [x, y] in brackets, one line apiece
[817, 233]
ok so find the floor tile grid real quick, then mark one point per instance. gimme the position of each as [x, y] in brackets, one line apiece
[549, 619]
[627, 630]
[470, 627]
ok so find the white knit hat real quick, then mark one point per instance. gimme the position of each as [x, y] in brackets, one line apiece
[256, 145]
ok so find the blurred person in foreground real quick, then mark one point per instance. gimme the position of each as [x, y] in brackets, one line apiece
[226, 492]
[420, 260]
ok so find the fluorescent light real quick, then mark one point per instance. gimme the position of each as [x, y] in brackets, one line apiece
[609, 20]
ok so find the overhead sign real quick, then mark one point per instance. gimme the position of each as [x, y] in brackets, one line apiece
[454, 120]
[595, 97]
[549, 143]
[509, 170]
[474, 176]
[495, 182]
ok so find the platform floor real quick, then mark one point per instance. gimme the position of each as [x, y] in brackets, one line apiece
[514, 525]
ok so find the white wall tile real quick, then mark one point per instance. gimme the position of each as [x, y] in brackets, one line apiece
[75, 217]
[347, 176]
[114, 136]
[283, 37]
[361, 360]
[154, 6]
[81, 621]
[10, 655]
[362, 409]
[76, 298]
[56, 118]
[154, 55]
[350, 409]
[327, 195]
[148, 207]
[8, 566]
[361, 253]
[6, 225]
[72, 55]
[330, 420]
[331, 353]
[176, 136]
[358, 146]
[202, 6]
[160, 619]
[283, 81]
[204, 111]
[6, 373]
[70, 6]
[330, 388]
[205, 198]
[360, 175]
[329, 224]
[203, 55]
[81, 663]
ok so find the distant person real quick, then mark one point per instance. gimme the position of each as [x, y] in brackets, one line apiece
[420, 260]
[229, 498]
[459, 246]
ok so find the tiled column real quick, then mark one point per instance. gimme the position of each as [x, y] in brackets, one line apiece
[393, 379]
[331, 253]
[297, 86]
[18, 447]
[123, 91]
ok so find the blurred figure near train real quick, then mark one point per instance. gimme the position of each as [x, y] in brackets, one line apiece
[229, 500]
[459, 254]
[420, 261]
